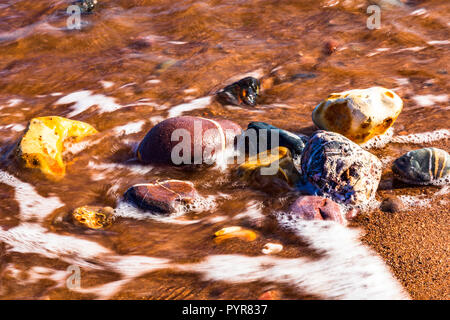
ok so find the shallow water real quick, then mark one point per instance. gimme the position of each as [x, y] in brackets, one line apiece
[135, 63]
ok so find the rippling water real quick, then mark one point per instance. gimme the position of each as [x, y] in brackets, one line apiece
[135, 63]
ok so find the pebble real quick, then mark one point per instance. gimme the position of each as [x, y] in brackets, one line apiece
[331, 46]
[272, 248]
[391, 204]
[269, 169]
[163, 198]
[42, 144]
[317, 208]
[202, 136]
[423, 166]
[93, 217]
[242, 92]
[234, 232]
[270, 295]
[87, 5]
[359, 114]
[334, 166]
[295, 143]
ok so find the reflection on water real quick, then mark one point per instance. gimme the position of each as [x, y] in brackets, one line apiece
[136, 63]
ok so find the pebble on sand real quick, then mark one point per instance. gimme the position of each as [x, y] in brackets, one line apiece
[391, 204]
[42, 144]
[423, 166]
[163, 198]
[272, 248]
[359, 114]
[317, 208]
[333, 165]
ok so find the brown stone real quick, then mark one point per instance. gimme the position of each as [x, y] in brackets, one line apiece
[317, 208]
[162, 197]
[331, 46]
[391, 204]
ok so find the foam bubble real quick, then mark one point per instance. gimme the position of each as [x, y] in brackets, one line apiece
[85, 99]
[430, 99]
[422, 138]
[199, 103]
[129, 128]
[31, 204]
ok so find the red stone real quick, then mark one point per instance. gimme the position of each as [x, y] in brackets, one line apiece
[317, 208]
[331, 46]
[162, 197]
[156, 147]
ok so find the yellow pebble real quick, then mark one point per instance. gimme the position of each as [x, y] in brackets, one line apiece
[234, 232]
[41, 146]
[93, 217]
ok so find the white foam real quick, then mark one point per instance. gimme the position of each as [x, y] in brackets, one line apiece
[106, 84]
[346, 269]
[83, 100]
[31, 204]
[422, 138]
[419, 12]
[430, 99]
[252, 212]
[14, 102]
[108, 168]
[379, 142]
[438, 42]
[77, 147]
[377, 51]
[129, 128]
[14, 127]
[153, 81]
[402, 81]
[413, 201]
[199, 103]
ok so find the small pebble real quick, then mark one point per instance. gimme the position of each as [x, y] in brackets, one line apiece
[270, 295]
[242, 92]
[234, 232]
[272, 248]
[391, 204]
[93, 217]
[331, 46]
[317, 208]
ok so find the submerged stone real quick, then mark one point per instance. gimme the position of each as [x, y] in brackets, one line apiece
[234, 232]
[187, 140]
[42, 145]
[242, 92]
[317, 208]
[264, 131]
[423, 166]
[270, 169]
[335, 166]
[359, 114]
[87, 5]
[93, 217]
[164, 198]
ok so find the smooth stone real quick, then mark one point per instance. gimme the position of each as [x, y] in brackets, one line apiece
[295, 143]
[93, 217]
[272, 248]
[317, 208]
[216, 135]
[423, 166]
[242, 92]
[391, 204]
[235, 232]
[164, 198]
[283, 173]
[335, 166]
[270, 295]
[42, 144]
[359, 114]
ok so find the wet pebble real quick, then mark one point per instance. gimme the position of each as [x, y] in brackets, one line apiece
[359, 114]
[264, 132]
[333, 165]
[242, 92]
[87, 5]
[187, 140]
[162, 198]
[331, 46]
[93, 217]
[423, 166]
[391, 204]
[270, 295]
[273, 169]
[317, 208]
[234, 232]
[272, 248]
[42, 144]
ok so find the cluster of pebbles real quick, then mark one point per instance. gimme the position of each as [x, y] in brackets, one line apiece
[337, 177]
